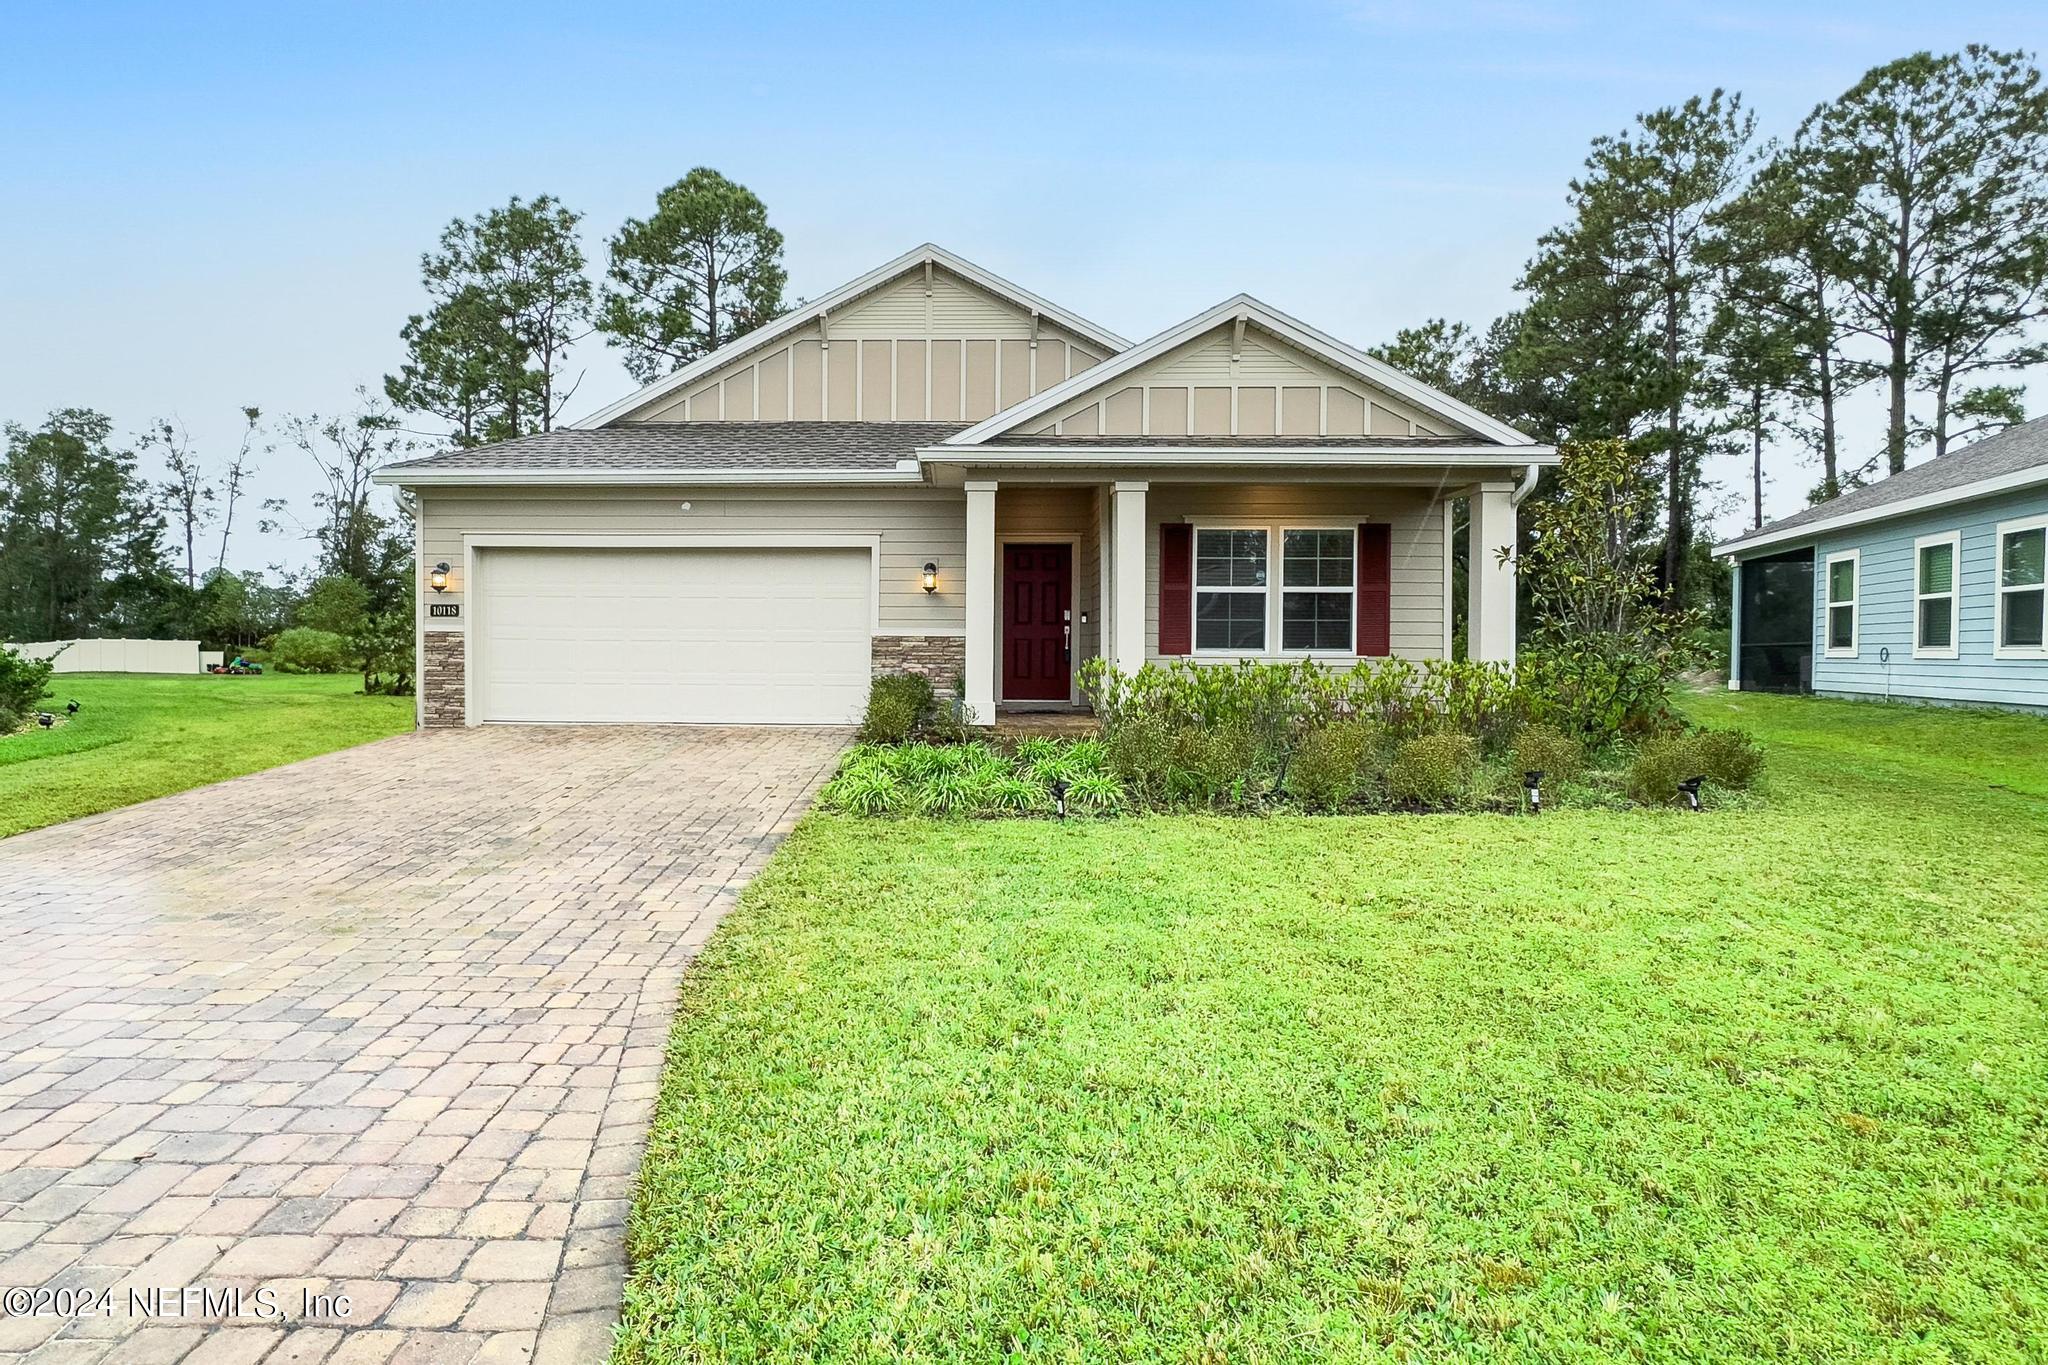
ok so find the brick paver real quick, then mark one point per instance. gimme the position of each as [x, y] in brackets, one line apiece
[385, 1024]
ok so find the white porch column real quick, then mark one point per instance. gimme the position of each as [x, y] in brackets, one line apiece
[980, 698]
[1490, 584]
[1128, 650]
[1105, 576]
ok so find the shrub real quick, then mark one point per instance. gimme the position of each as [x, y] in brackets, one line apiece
[337, 604]
[1435, 770]
[1550, 751]
[1216, 765]
[899, 704]
[1095, 790]
[1660, 764]
[1331, 765]
[968, 780]
[23, 683]
[1728, 758]
[305, 650]
[1139, 751]
[864, 787]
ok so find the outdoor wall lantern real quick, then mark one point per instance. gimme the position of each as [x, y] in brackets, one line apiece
[1690, 790]
[931, 577]
[437, 578]
[1532, 782]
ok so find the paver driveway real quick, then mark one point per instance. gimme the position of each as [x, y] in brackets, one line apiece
[384, 1024]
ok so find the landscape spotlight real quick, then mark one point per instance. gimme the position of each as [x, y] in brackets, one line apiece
[71, 708]
[45, 719]
[1532, 783]
[1690, 790]
[1059, 796]
[437, 578]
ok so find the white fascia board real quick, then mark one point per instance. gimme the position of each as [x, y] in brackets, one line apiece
[772, 332]
[441, 478]
[1269, 319]
[1342, 457]
[1884, 511]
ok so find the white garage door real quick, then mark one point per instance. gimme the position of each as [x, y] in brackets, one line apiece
[739, 636]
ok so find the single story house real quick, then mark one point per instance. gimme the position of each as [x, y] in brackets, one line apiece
[931, 468]
[1928, 585]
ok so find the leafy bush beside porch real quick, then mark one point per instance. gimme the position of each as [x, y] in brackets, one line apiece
[1384, 735]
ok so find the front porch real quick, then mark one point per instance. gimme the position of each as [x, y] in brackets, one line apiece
[1063, 567]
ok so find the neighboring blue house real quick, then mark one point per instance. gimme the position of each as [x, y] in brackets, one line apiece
[1931, 584]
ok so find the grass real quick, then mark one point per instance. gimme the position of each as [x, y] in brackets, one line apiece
[1765, 1084]
[143, 735]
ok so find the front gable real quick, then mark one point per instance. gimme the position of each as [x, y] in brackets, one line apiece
[1242, 369]
[928, 337]
[1215, 385]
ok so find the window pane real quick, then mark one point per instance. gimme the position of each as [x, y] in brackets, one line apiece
[1316, 620]
[1934, 623]
[1230, 559]
[1230, 620]
[2025, 557]
[1842, 581]
[1937, 568]
[1841, 627]
[2022, 625]
[1317, 559]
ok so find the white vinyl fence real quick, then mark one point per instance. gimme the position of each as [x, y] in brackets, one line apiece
[118, 656]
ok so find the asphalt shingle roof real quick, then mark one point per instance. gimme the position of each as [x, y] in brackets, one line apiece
[665, 446]
[802, 446]
[2010, 451]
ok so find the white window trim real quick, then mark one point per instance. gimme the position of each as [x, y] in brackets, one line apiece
[1279, 548]
[1829, 605]
[1999, 590]
[1195, 591]
[1276, 540]
[1953, 650]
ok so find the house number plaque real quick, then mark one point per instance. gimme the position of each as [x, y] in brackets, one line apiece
[444, 609]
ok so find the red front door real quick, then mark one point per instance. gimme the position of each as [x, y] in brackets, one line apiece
[1038, 593]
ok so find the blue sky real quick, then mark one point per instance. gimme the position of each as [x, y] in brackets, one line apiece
[213, 205]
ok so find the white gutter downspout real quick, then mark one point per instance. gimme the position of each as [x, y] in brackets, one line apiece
[1527, 486]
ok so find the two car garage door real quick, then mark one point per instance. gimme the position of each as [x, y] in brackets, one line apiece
[714, 635]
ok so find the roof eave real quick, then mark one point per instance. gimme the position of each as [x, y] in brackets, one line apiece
[1769, 536]
[906, 472]
[1361, 456]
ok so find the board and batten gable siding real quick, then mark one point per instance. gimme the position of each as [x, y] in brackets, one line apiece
[1415, 515]
[1270, 389]
[899, 354]
[915, 525]
[1885, 611]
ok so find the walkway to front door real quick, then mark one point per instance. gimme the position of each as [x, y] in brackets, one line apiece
[1038, 628]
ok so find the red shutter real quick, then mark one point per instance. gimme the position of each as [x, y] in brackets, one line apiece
[1375, 589]
[1176, 588]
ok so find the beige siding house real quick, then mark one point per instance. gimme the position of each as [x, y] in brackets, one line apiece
[933, 469]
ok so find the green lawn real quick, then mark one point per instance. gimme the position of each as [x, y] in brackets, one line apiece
[1765, 1084]
[139, 735]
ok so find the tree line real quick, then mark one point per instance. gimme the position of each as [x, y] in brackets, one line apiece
[1714, 292]
[90, 546]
